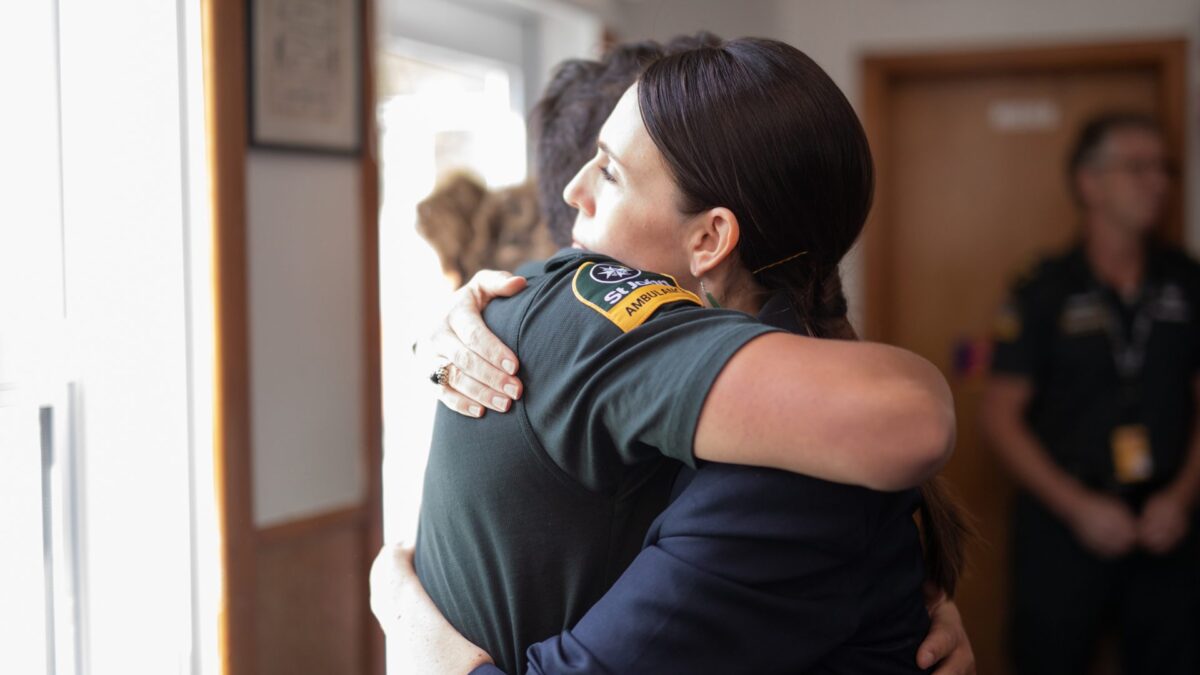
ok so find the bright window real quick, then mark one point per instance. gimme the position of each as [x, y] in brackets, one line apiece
[439, 112]
[106, 485]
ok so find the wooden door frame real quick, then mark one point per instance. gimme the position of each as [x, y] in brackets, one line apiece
[224, 52]
[372, 412]
[881, 72]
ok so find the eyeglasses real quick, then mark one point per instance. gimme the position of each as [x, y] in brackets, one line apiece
[1139, 167]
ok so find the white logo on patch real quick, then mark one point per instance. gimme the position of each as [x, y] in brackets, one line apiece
[612, 274]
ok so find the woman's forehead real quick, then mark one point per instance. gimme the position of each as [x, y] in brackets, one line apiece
[625, 135]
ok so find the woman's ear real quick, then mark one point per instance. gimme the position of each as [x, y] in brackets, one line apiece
[713, 240]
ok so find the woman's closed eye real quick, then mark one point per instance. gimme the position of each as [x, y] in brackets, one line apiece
[607, 174]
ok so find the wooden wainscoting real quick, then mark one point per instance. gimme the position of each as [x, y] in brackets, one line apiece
[310, 609]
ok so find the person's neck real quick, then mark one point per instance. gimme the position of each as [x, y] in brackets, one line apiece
[739, 292]
[1117, 255]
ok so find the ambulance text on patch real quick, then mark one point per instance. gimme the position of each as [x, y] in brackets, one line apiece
[626, 296]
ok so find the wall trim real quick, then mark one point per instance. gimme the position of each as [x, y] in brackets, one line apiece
[308, 526]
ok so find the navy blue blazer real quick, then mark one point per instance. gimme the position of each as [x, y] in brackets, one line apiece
[755, 570]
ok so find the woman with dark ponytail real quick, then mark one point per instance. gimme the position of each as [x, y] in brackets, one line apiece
[799, 178]
[740, 175]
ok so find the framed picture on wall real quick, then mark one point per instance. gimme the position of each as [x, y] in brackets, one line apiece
[305, 75]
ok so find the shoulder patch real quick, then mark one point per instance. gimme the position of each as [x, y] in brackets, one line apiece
[1007, 326]
[626, 296]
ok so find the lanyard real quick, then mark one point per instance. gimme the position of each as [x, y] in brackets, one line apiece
[1129, 351]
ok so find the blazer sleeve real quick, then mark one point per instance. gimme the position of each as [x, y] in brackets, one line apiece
[750, 570]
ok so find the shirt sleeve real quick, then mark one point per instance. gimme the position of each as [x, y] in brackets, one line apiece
[751, 573]
[1021, 334]
[530, 269]
[601, 395]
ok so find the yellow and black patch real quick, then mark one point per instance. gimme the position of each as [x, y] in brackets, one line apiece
[626, 296]
[1007, 326]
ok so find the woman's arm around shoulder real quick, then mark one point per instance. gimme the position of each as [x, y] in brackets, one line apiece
[851, 412]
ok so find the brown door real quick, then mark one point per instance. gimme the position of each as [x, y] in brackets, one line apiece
[972, 190]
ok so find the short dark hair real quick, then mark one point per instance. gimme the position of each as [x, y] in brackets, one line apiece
[566, 121]
[1095, 132]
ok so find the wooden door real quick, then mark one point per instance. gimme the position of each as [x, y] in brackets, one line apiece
[972, 191]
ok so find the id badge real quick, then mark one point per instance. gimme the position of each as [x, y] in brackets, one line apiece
[1132, 460]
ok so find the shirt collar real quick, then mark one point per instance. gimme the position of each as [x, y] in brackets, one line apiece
[565, 256]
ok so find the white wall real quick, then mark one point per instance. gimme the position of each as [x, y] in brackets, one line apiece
[304, 258]
[837, 33]
[663, 19]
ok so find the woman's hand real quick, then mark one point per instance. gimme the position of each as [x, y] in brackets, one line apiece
[427, 643]
[947, 644]
[482, 370]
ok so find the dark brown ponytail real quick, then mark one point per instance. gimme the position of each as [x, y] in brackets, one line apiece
[945, 529]
[757, 127]
[822, 308]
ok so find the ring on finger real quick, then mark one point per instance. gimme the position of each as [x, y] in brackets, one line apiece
[441, 376]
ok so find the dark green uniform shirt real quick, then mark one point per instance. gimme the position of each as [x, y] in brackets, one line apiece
[529, 517]
[1067, 333]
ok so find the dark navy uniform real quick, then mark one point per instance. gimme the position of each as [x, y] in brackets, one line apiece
[759, 571]
[1113, 405]
[753, 570]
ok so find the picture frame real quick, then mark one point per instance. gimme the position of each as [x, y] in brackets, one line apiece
[305, 75]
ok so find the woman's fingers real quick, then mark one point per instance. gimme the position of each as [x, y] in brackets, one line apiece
[473, 377]
[947, 644]
[937, 645]
[961, 662]
[459, 403]
[462, 392]
[498, 364]
[458, 380]
[496, 283]
[481, 367]
[466, 322]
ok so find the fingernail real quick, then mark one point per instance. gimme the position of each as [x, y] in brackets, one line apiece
[509, 367]
[500, 402]
[476, 410]
[511, 390]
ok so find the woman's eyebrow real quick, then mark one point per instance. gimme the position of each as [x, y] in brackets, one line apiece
[608, 151]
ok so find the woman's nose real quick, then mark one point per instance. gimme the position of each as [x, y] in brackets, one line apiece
[578, 194]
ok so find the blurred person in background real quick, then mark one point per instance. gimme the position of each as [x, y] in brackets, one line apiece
[1092, 404]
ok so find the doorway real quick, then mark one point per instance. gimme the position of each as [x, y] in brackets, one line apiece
[970, 149]
[454, 81]
[439, 112]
